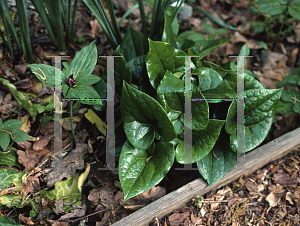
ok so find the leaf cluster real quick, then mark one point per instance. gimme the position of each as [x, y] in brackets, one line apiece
[151, 111]
[290, 97]
[9, 130]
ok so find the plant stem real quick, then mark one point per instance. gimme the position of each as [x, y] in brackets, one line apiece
[282, 24]
[144, 25]
[71, 119]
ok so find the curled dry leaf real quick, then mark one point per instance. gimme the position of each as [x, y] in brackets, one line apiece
[289, 197]
[273, 199]
[26, 123]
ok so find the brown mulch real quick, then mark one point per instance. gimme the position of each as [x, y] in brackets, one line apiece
[269, 196]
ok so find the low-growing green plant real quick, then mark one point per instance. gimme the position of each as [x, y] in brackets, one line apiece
[153, 123]
[273, 11]
[76, 79]
[290, 97]
[9, 130]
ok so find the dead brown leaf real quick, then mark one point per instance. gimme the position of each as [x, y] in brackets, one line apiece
[176, 218]
[74, 160]
[43, 142]
[31, 185]
[30, 158]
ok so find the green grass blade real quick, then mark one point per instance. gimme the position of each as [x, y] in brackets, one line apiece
[127, 13]
[23, 22]
[11, 26]
[5, 23]
[155, 11]
[40, 9]
[103, 20]
[177, 8]
[114, 20]
[55, 10]
[215, 19]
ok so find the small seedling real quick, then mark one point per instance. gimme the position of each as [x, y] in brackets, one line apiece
[198, 201]
[10, 130]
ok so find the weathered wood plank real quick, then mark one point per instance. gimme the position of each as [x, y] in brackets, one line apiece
[176, 199]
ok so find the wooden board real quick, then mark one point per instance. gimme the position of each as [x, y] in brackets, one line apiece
[176, 199]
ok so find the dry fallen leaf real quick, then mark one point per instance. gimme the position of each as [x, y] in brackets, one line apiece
[289, 197]
[273, 199]
[176, 218]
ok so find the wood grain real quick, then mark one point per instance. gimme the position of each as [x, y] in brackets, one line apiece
[176, 199]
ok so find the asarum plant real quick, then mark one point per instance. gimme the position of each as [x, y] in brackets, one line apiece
[149, 128]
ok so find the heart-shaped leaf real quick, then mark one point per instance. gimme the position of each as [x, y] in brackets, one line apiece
[260, 108]
[142, 117]
[141, 170]
[202, 141]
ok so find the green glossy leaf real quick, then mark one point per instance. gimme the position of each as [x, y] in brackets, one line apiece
[212, 85]
[208, 78]
[9, 158]
[168, 34]
[287, 110]
[141, 170]
[273, 7]
[4, 140]
[223, 90]
[19, 135]
[162, 57]
[230, 125]
[260, 108]
[48, 72]
[203, 141]
[12, 124]
[170, 94]
[132, 44]
[136, 66]
[219, 69]
[1, 124]
[294, 9]
[214, 166]
[83, 92]
[87, 79]
[122, 72]
[84, 61]
[8, 222]
[142, 117]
